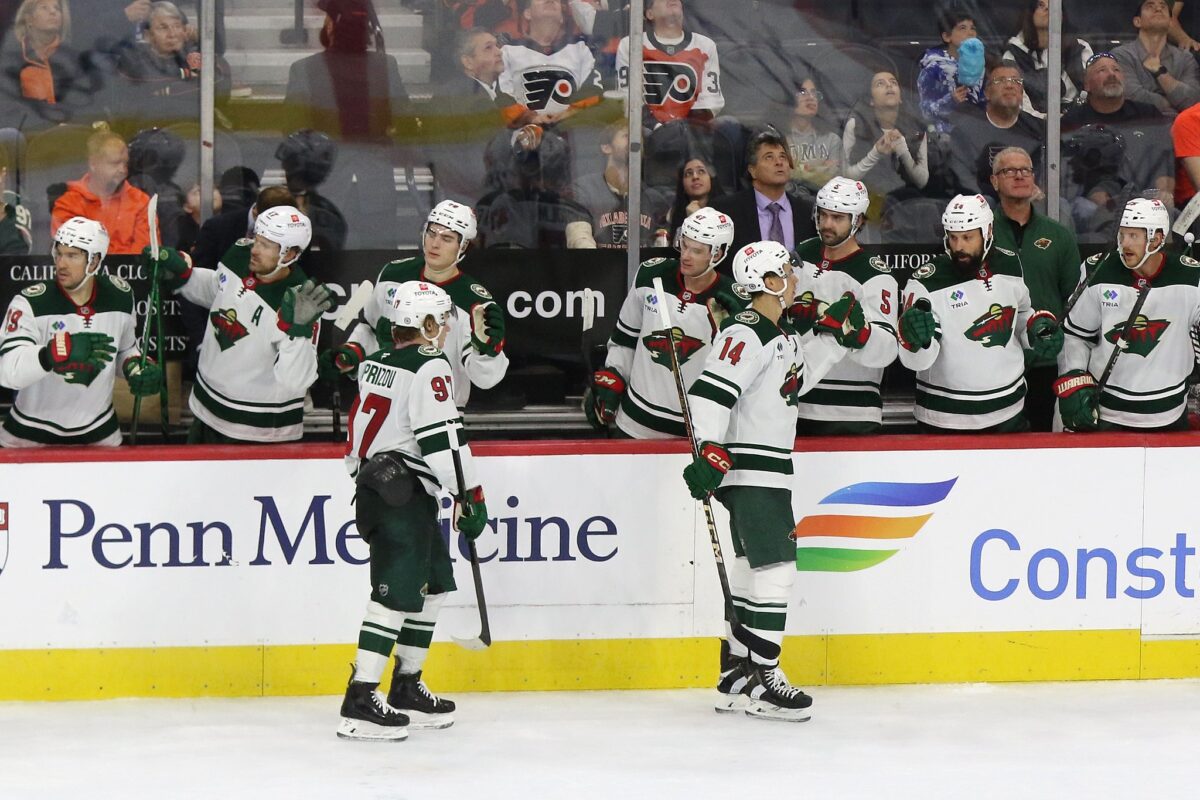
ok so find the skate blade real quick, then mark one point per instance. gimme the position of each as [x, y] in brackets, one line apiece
[362, 731]
[730, 703]
[761, 710]
[420, 721]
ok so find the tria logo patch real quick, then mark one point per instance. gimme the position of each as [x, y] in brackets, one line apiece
[1143, 335]
[994, 328]
[790, 390]
[226, 327]
[685, 346]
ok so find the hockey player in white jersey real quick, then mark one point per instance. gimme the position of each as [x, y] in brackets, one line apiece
[635, 391]
[966, 326]
[1147, 383]
[744, 417]
[834, 265]
[475, 343]
[62, 342]
[259, 354]
[400, 455]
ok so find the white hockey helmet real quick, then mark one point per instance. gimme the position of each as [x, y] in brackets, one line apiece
[414, 301]
[287, 227]
[968, 212]
[1152, 216]
[711, 227]
[89, 236]
[754, 262]
[458, 218]
[844, 196]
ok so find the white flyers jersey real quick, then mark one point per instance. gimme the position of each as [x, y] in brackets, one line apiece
[252, 377]
[1148, 384]
[676, 78]
[468, 364]
[973, 374]
[405, 405]
[549, 81]
[54, 408]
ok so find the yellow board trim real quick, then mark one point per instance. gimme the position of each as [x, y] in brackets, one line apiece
[281, 670]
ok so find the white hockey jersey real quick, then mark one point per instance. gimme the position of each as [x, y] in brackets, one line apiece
[405, 405]
[746, 397]
[54, 408]
[469, 366]
[848, 399]
[676, 77]
[1148, 384]
[252, 377]
[549, 79]
[973, 374]
[638, 350]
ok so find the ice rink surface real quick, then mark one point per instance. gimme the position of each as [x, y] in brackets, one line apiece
[1063, 741]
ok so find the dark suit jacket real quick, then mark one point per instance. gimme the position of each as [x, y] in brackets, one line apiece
[741, 208]
[217, 235]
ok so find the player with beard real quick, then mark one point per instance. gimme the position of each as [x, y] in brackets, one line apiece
[966, 325]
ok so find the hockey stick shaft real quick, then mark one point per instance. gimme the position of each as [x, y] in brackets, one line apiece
[164, 411]
[152, 302]
[1122, 339]
[1082, 287]
[485, 631]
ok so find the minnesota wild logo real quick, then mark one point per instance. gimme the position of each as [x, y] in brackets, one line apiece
[685, 346]
[805, 311]
[1143, 335]
[994, 328]
[790, 391]
[226, 327]
[78, 372]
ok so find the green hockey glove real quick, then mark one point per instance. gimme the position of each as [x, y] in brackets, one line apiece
[339, 361]
[844, 319]
[143, 380]
[1045, 336]
[707, 470]
[1078, 403]
[607, 388]
[487, 329]
[69, 352]
[174, 268]
[302, 306]
[918, 328]
[473, 518]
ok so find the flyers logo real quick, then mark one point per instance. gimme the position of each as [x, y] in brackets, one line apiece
[669, 80]
[545, 85]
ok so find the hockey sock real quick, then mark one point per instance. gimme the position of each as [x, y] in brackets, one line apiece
[417, 633]
[739, 587]
[378, 634]
[763, 609]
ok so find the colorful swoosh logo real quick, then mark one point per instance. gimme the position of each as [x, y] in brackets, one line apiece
[861, 538]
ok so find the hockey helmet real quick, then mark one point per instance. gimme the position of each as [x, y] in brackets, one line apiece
[458, 218]
[711, 227]
[754, 262]
[156, 152]
[86, 234]
[1150, 215]
[287, 227]
[414, 301]
[968, 212]
[307, 158]
[844, 196]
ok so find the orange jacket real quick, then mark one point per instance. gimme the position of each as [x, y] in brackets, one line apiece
[123, 215]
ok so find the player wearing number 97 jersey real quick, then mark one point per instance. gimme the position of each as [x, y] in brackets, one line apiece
[404, 428]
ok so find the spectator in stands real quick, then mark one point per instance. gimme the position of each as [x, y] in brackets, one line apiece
[1050, 260]
[112, 25]
[884, 145]
[815, 149]
[980, 135]
[601, 21]
[307, 158]
[39, 65]
[498, 16]
[695, 187]
[104, 195]
[1185, 134]
[606, 197]
[766, 212]
[239, 188]
[15, 221]
[1115, 149]
[347, 90]
[938, 82]
[166, 67]
[155, 155]
[1029, 49]
[1185, 20]
[1156, 72]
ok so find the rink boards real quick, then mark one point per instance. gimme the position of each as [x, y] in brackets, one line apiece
[227, 571]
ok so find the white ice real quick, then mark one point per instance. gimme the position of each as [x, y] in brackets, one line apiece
[1063, 741]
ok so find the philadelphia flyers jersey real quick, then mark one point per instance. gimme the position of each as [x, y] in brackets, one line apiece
[678, 77]
[546, 79]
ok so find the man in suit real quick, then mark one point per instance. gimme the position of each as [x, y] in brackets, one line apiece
[766, 212]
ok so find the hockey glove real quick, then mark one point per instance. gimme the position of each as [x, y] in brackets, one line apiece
[1045, 337]
[174, 267]
[301, 307]
[844, 319]
[723, 305]
[473, 517]
[1077, 401]
[143, 380]
[339, 361]
[76, 355]
[706, 472]
[487, 329]
[607, 388]
[918, 329]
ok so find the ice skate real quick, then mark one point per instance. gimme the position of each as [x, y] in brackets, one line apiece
[366, 717]
[771, 696]
[425, 710]
[733, 678]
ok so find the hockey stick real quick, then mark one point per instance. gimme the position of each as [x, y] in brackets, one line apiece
[152, 304]
[751, 641]
[1187, 217]
[1082, 287]
[1123, 338]
[354, 304]
[484, 639]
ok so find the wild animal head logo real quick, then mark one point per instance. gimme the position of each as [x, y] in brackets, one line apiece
[1143, 335]
[226, 327]
[994, 328]
[659, 346]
